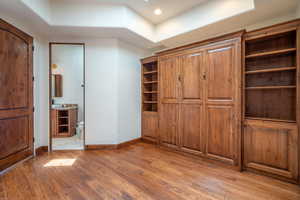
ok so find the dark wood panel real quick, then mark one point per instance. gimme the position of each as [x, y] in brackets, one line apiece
[14, 71]
[269, 104]
[276, 42]
[272, 147]
[271, 62]
[16, 95]
[14, 135]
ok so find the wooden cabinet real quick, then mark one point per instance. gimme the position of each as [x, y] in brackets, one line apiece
[222, 101]
[271, 147]
[150, 95]
[200, 100]
[271, 73]
[63, 122]
[239, 106]
[191, 92]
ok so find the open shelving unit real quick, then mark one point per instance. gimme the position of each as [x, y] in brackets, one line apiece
[270, 77]
[150, 85]
[150, 96]
[63, 122]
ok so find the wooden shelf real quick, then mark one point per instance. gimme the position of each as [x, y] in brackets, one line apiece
[282, 51]
[269, 119]
[150, 82]
[270, 70]
[150, 92]
[270, 87]
[151, 72]
[150, 102]
[63, 125]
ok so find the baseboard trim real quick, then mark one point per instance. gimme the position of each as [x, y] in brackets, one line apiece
[128, 143]
[100, 146]
[112, 146]
[40, 150]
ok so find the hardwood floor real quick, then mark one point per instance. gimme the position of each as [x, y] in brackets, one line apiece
[141, 171]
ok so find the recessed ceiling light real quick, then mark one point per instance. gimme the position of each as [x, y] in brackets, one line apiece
[157, 11]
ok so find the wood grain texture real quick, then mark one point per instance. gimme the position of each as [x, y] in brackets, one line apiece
[129, 174]
[201, 101]
[16, 95]
[272, 147]
[271, 132]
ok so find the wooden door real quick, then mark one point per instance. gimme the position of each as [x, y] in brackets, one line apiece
[169, 102]
[16, 95]
[191, 103]
[271, 147]
[222, 103]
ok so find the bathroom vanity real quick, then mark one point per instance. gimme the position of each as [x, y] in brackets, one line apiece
[64, 120]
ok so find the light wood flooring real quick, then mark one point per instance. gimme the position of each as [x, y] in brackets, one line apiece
[141, 171]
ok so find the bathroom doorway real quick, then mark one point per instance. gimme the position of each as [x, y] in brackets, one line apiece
[67, 96]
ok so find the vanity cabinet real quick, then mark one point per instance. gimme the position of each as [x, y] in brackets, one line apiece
[63, 122]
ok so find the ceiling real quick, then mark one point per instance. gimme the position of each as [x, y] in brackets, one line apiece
[170, 8]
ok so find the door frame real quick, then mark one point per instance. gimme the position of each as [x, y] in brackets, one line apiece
[50, 90]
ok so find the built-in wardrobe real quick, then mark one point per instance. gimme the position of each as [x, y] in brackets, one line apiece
[233, 99]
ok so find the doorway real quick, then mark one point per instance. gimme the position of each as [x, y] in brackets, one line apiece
[67, 96]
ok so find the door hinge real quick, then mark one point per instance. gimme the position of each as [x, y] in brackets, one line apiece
[32, 48]
[33, 78]
[33, 109]
[33, 139]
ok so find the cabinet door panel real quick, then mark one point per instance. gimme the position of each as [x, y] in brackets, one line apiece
[220, 74]
[271, 147]
[150, 124]
[223, 103]
[169, 74]
[191, 127]
[169, 124]
[220, 138]
[191, 77]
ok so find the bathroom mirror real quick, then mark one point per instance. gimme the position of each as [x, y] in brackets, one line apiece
[57, 85]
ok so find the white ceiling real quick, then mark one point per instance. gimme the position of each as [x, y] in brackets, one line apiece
[170, 8]
[88, 19]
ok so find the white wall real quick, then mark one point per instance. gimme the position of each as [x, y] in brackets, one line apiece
[112, 74]
[101, 92]
[129, 91]
[69, 59]
[40, 67]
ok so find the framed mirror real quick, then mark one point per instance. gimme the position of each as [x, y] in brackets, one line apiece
[57, 85]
